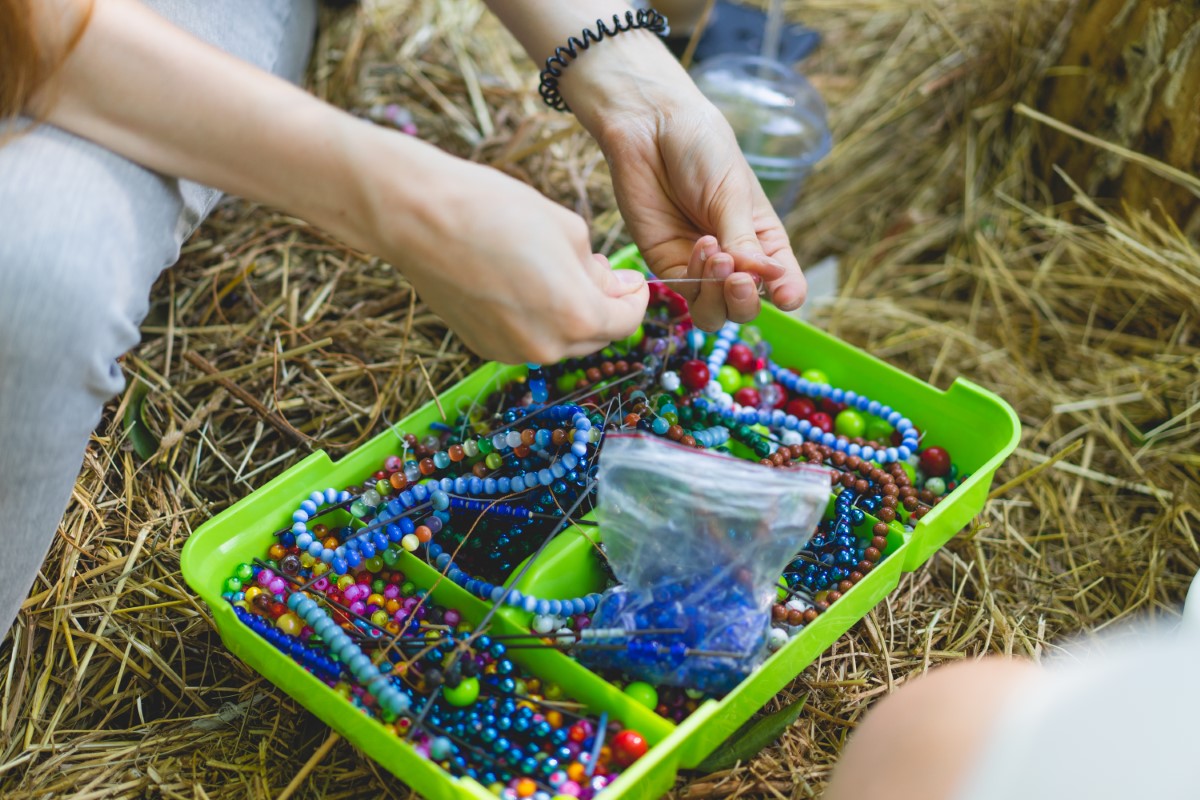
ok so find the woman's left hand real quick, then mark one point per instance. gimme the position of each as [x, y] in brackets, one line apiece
[696, 210]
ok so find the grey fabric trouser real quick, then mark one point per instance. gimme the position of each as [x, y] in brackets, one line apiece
[84, 234]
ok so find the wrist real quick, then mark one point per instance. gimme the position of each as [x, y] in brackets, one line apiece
[630, 78]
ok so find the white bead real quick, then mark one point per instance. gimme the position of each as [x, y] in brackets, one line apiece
[670, 381]
[776, 639]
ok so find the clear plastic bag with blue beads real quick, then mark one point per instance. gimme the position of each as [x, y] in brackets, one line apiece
[698, 541]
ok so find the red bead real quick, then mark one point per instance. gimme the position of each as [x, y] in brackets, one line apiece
[800, 407]
[831, 408]
[694, 374]
[935, 462]
[740, 358]
[898, 438]
[628, 747]
[821, 420]
[747, 396]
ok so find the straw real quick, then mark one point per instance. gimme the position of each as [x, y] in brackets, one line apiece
[955, 261]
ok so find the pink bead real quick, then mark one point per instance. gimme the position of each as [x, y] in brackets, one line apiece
[277, 586]
[582, 622]
[452, 617]
[400, 616]
[264, 577]
[393, 464]
[392, 591]
[321, 584]
[570, 788]
[358, 607]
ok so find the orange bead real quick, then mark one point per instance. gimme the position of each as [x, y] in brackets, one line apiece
[331, 542]
[526, 787]
[426, 466]
[555, 718]
[319, 531]
[456, 453]
[391, 606]
[576, 772]
[423, 533]
[521, 451]
[276, 551]
[398, 481]
[528, 437]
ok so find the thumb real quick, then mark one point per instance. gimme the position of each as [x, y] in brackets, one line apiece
[616, 282]
[622, 299]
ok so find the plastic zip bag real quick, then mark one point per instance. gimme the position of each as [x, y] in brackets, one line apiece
[698, 541]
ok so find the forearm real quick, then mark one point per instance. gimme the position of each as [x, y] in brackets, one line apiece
[149, 91]
[632, 73]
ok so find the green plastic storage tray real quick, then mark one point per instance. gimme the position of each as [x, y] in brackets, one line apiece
[977, 427]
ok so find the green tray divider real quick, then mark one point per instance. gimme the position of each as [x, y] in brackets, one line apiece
[977, 427]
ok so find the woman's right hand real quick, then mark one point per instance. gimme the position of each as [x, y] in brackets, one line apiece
[510, 271]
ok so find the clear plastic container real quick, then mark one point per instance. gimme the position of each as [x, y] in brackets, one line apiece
[778, 117]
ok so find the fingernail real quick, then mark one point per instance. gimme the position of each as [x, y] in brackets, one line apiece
[742, 288]
[630, 278]
[722, 268]
[708, 249]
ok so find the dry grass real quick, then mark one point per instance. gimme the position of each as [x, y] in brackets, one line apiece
[954, 261]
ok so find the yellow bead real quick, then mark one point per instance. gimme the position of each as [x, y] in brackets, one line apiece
[306, 560]
[319, 568]
[410, 543]
[289, 624]
[379, 618]
[345, 582]
[242, 604]
[252, 593]
[375, 600]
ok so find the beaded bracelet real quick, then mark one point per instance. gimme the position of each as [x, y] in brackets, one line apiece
[646, 18]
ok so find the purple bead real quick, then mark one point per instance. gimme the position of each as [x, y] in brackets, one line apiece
[452, 617]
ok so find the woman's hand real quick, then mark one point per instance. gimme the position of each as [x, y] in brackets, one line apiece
[510, 271]
[691, 201]
[696, 210]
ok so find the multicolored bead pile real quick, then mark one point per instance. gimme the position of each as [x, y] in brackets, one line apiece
[476, 498]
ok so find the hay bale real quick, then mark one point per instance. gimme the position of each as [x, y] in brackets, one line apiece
[955, 260]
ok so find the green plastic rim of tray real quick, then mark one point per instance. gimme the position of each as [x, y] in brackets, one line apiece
[976, 426]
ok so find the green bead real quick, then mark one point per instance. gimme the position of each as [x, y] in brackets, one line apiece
[729, 378]
[761, 430]
[383, 487]
[814, 376]
[953, 473]
[244, 572]
[373, 564]
[233, 585]
[493, 461]
[485, 445]
[407, 588]
[672, 418]
[466, 693]
[748, 382]
[358, 508]
[937, 486]
[391, 556]
[643, 694]
[781, 591]
[567, 382]
[686, 414]
[750, 335]
[632, 341]
[551, 691]
[849, 423]
[377, 585]
[879, 431]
